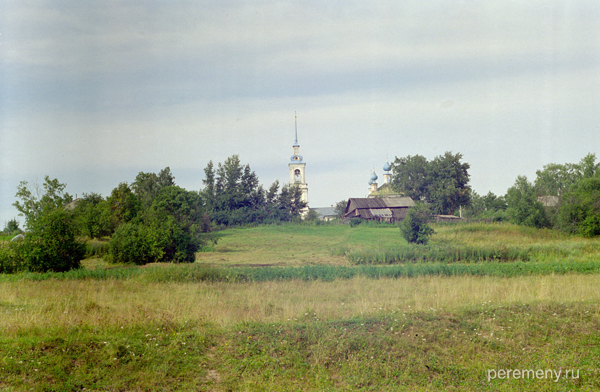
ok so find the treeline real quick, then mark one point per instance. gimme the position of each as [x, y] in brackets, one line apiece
[233, 196]
[150, 220]
[563, 196]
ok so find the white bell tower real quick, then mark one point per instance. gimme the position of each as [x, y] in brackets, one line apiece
[297, 166]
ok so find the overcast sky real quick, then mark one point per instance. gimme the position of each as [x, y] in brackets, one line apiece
[94, 92]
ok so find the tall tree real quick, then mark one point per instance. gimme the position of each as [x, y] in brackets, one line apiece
[448, 183]
[410, 176]
[208, 193]
[37, 201]
[147, 185]
[89, 218]
[555, 179]
[340, 208]
[523, 206]
[123, 205]
[443, 183]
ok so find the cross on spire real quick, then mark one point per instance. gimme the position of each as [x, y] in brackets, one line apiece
[296, 131]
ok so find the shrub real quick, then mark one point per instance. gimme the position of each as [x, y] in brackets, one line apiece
[51, 245]
[11, 258]
[355, 222]
[414, 227]
[580, 208]
[173, 229]
[134, 243]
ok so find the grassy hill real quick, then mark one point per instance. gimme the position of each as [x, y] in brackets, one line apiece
[202, 327]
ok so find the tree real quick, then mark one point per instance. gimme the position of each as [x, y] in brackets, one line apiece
[89, 217]
[448, 183]
[555, 179]
[415, 227]
[410, 176]
[122, 206]
[290, 203]
[134, 243]
[12, 227]
[178, 214]
[35, 202]
[523, 206]
[147, 185]
[579, 212]
[209, 193]
[443, 182]
[340, 208]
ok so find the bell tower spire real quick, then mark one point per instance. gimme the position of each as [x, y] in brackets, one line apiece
[296, 130]
[297, 166]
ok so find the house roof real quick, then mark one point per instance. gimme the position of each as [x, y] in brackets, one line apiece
[378, 213]
[369, 208]
[381, 202]
[324, 211]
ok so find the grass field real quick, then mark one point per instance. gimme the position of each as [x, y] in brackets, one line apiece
[187, 328]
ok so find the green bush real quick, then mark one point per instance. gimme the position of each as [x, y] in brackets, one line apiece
[50, 245]
[134, 243]
[355, 222]
[590, 227]
[414, 227]
[11, 258]
[173, 229]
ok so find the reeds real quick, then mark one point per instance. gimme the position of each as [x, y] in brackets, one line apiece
[189, 273]
[450, 254]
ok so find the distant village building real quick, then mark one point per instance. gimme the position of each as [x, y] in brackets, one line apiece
[71, 206]
[325, 213]
[549, 201]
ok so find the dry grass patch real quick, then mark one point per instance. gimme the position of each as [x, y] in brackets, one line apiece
[51, 303]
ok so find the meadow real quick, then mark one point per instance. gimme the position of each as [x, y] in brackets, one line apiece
[290, 308]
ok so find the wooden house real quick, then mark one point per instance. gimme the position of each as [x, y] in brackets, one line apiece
[385, 209]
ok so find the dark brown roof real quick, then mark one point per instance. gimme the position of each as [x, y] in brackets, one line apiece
[382, 202]
[369, 208]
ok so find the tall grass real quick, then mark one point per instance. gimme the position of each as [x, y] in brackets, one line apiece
[95, 248]
[184, 273]
[473, 243]
[452, 254]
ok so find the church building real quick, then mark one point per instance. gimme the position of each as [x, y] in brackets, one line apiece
[384, 190]
[382, 203]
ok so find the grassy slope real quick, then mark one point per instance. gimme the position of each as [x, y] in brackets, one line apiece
[294, 245]
[428, 333]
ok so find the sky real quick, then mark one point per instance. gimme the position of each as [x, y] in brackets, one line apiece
[94, 92]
